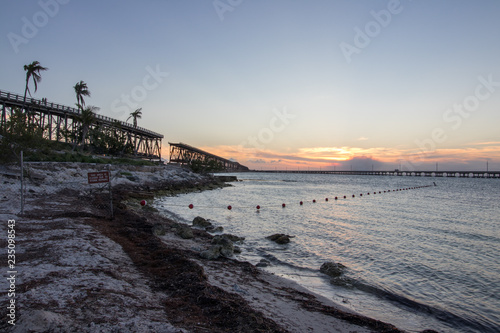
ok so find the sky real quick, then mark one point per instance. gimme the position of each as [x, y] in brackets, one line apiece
[319, 84]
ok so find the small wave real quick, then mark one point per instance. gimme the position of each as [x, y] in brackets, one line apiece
[446, 317]
[276, 261]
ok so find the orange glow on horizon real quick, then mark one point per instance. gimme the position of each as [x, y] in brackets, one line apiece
[342, 158]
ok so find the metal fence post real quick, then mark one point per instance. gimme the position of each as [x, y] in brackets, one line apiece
[22, 183]
[110, 192]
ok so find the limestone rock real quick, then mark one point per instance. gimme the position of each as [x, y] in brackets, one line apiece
[226, 178]
[185, 232]
[233, 238]
[263, 263]
[342, 281]
[332, 269]
[201, 222]
[280, 238]
[213, 252]
[214, 229]
[226, 245]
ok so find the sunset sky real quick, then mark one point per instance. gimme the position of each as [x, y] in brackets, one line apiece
[330, 84]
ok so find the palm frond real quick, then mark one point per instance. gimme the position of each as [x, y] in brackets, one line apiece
[33, 71]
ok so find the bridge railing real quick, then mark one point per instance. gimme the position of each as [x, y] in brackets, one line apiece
[12, 97]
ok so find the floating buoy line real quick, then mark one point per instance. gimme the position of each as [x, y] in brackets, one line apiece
[300, 203]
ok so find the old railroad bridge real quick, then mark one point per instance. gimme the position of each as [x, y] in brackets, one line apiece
[184, 154]
[55, 119]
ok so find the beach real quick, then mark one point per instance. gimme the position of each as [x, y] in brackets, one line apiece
[78, 270]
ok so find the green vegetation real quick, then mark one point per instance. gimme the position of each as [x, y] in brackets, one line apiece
[20, 134]
[210, 165]
[45, 156]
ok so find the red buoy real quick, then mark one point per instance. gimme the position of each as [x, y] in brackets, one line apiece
[336, 198]
[229, 207]
[258, 207]
[301, 203]
[353, 195]
[345, 197]
[143, 202]
[191, 206]
[326, 199]
[283, 205]
[314, 200]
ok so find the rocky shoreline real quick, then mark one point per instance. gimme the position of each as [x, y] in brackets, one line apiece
[83, 272]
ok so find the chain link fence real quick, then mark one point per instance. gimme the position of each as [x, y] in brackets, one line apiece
[53, 187]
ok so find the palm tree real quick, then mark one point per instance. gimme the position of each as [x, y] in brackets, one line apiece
[137, 114]
[33, 71]
[81, 90]
[86, 119]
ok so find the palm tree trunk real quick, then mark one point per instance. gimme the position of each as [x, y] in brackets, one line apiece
[84, 134]
[25, 92]
[24, 100]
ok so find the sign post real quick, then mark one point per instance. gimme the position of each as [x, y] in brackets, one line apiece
[98, 177]
[102, 177]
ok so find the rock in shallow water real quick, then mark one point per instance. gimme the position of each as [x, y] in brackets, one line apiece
[342, 281]
[222, 245]
[263, 263]
[227, 247]
[233, 238]
[214, 229]
[280, 238]
[332, 269]
[201, 222]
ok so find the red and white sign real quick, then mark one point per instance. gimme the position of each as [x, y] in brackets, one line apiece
[98, 177]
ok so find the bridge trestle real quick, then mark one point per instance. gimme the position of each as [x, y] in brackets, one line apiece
[60, 123]
[184, 154]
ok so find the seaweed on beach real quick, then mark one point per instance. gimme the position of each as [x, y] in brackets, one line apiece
[192, 302]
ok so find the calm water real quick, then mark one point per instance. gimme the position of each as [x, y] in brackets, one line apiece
[418, 258]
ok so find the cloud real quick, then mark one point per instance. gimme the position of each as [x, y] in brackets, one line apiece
[488, 143]
[363, 163]
[257, 161]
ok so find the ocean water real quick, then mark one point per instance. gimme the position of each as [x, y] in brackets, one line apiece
[418, 256]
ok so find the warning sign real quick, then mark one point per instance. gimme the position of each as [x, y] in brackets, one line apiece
[98, 177]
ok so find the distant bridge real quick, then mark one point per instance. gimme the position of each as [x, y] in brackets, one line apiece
[185, 155]
[460, 174]
[55, 119]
